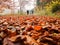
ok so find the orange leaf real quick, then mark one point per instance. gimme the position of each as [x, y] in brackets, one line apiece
[42, 23]
[37, 28]
[13, 38]
[11, 33]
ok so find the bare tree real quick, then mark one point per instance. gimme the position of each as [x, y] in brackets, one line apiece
[5, 4]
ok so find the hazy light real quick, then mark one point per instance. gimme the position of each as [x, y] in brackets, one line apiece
[29, 6]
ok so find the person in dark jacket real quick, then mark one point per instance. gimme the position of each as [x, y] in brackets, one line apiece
[27, 12]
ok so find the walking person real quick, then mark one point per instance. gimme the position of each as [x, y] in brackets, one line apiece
[27, 12]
